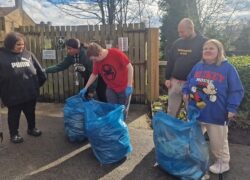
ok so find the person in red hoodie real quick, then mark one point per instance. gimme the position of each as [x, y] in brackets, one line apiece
[115, 69]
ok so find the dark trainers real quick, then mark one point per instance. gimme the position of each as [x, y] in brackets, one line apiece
[16, 139]
[34, 132]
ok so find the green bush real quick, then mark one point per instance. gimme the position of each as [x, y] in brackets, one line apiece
[242, 64]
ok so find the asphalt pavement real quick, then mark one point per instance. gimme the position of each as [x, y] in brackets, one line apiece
[53, 157]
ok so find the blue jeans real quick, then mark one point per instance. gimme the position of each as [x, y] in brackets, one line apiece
[118, 98]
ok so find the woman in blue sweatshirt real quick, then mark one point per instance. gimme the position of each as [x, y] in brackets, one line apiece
[215, 88]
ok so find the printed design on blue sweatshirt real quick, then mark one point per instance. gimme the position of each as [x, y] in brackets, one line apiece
[203, 92]
[208, 76]
[24, 62]
[108, 72]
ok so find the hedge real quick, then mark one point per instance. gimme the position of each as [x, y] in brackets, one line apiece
[242, 64]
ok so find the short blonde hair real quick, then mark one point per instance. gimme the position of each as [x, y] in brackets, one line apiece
[221, 51]
[94, 49]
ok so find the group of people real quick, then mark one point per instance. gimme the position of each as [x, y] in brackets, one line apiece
[196, 72]
[106, 72]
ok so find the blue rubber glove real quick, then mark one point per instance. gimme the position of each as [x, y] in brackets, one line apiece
[82, 93]
[128, 91]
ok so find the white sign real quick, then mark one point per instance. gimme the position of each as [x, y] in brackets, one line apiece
[108, 44]
[49, 54]
[123, 43]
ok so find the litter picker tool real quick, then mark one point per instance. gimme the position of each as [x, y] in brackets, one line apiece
[127, 108]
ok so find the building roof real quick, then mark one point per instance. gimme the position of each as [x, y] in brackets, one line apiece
[6, 10]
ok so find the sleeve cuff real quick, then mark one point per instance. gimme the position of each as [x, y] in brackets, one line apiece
[232, 108]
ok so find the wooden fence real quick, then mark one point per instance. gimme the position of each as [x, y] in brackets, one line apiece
[143, 51]
[2, 32]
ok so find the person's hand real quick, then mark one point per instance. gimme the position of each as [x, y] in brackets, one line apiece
[82, 93]
[168, 83]
[91, 95]
[128, 90]
[2, 105]
[231, 116]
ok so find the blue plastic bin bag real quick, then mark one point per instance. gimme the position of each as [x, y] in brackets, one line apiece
[74, 119]
[107, 132]
[180, 147]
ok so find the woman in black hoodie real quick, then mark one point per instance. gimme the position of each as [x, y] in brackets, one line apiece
[20, 78]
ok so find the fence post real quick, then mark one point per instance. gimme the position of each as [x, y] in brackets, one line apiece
[153, 47]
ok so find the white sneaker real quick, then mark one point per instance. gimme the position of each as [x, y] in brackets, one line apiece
[205, 177]
[219, 167]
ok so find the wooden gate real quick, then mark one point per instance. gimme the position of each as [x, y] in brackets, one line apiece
[143, 51]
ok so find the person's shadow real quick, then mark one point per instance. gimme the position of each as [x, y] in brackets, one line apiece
[145, 170]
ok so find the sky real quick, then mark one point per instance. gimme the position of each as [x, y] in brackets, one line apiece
[42, 10]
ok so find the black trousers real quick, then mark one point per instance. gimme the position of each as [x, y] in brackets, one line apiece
[101, 89]
[14, 113]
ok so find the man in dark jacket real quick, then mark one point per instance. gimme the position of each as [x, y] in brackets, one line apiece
[76, 55]
[183, 55]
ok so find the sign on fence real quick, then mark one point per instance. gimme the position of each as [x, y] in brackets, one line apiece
[49, 54]
[123, 43]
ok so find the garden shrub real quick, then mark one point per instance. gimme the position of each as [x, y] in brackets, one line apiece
[242, 64]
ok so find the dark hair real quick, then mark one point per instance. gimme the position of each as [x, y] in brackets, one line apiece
[73, 43]
[11, 39]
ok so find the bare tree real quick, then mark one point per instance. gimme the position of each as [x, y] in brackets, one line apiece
[145, 11]
[217, 12]
[217, 19]
[214, 18]
[108, 11]
[102, 11]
